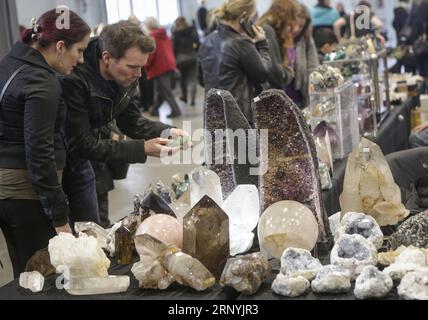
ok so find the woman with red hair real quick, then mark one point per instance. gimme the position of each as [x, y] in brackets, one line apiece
[33, 205]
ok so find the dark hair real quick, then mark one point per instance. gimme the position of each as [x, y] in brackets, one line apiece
[119, 37]
[323, 36]
[45, 31]
[365, 3]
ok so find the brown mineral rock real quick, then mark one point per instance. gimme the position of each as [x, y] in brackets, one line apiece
[206, 235]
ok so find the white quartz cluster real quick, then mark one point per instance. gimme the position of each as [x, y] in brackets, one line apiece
[33, 281]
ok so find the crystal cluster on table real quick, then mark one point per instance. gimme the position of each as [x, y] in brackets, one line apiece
[369, 186]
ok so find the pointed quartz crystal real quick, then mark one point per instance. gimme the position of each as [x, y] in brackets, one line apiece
[243, 210]
[205, 182]
[206, 235]
[188, 271]
[81, 286]
[289, 157]
[124, 244]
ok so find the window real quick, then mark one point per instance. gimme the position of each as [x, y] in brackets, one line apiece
[166, 11]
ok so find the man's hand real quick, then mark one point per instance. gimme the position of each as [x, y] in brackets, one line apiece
[157, 147]
[176, 133]
[260, 34]
[64, 229]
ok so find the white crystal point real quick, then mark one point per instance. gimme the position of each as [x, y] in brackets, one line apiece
[83, 257]
[414, 286]
[299, 262]
[334, 222]
[290, 287]
[372, 283]
[362, 224]
[240, 241]
[353, 253]
[331, 279]
[94, 230]
[409, 260]
[243, 210]
[82, 286]
[33, 281]
[287, 224]
[205, 182]
[151, 274]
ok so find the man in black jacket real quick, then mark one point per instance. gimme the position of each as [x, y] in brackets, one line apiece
[104, 90]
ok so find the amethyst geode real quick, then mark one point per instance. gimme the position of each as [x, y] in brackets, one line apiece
[289, 157]
[222, 114]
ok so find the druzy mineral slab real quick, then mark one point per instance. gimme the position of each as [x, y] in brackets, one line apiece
[246, 273]
[289, 156]
[206, 235]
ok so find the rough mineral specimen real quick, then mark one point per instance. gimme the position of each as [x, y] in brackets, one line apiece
[148, 246]
[289, 157]
[124, 243]
[151, 274]
[157, 198]
[409, 260]
[33, 281]
[188, 271]
[413, 231]
[287, 224]
[94, 230]
[164, 228]
[82, 256]
[369, 186]
[353, 253]
[331, 279]
[204, 182]
[299, 262]
[41, 262]
[290, 287]
[372, 283]
[80, 286]
[246, 273]
[414, 286]
[243, 210]
[364, 225]
[388, 258]
[185, 269]
[206, 235]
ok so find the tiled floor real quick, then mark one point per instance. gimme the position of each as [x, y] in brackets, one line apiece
[139, 177]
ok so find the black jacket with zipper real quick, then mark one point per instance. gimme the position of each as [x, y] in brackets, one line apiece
[89, 111]
[32, 120]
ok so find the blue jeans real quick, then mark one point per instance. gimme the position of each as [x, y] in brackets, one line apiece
[79, 185]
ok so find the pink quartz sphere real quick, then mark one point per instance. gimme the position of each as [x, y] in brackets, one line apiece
[163, 227]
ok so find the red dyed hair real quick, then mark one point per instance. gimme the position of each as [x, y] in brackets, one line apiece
[48, 32]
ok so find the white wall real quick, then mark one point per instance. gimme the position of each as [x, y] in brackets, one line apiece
[92, 11]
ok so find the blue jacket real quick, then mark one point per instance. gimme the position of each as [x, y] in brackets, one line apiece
[324, 16]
